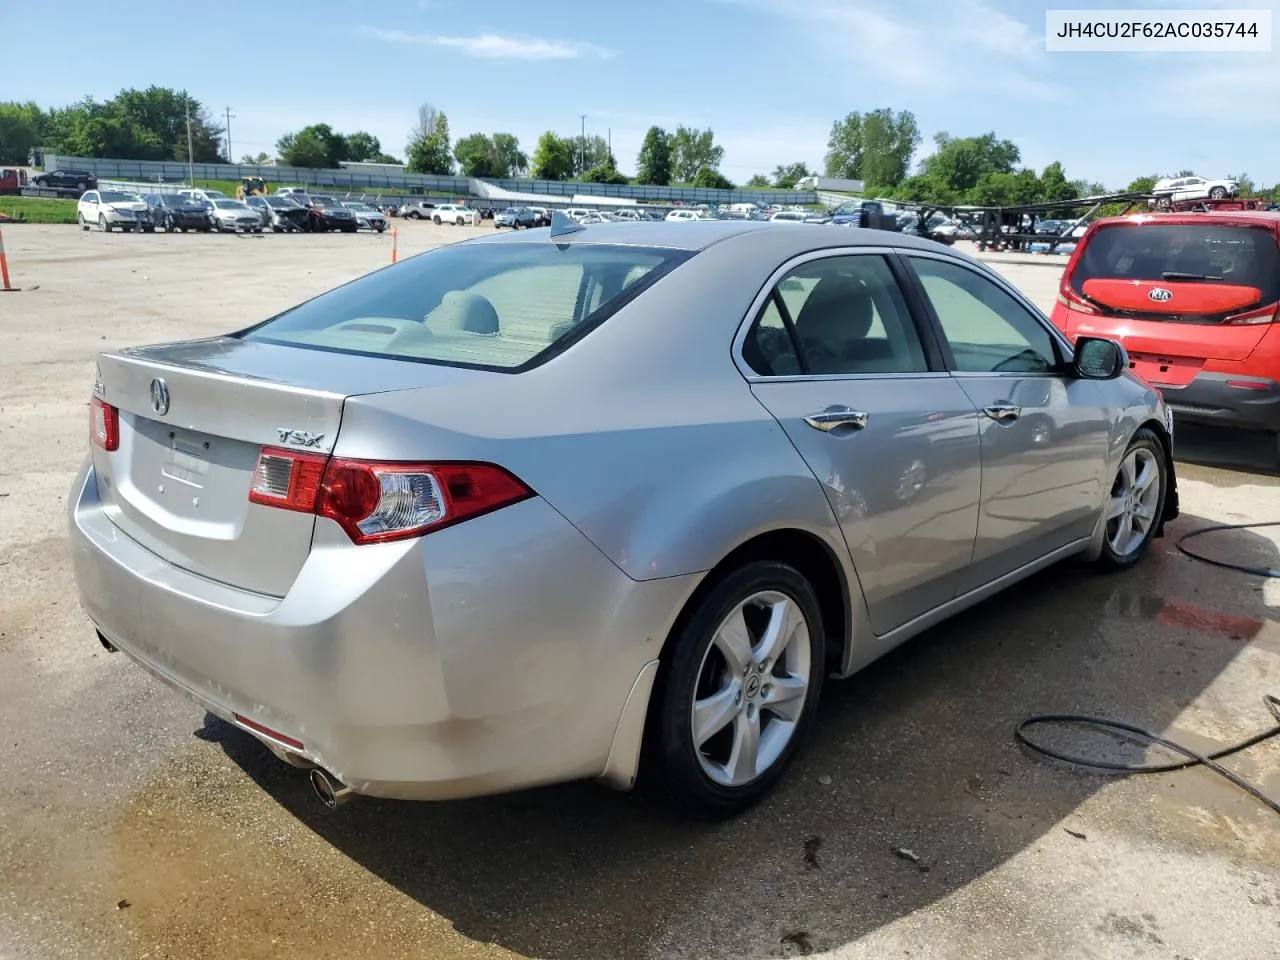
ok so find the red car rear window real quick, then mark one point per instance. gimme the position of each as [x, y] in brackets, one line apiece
[1194, 272]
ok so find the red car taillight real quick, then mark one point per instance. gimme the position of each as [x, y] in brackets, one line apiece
[375, 501]
[104, 424]
[1267, 314]
[1072, 300]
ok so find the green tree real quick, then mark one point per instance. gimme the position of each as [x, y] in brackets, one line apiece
[302, 149]
[1054, 184]
[362, 146]
[478, 157]
[759, 180]
[148, 124]
[606, 173]
[714, 179]
[588, 153]
[1093, 188]
[553, 158]
[785, 175]
[1247, 187]
[318, 145]
[428, 149]
[960, 162]
[20, 125]
[515, 162]
[258, 159]
[653, 164]
[692, 151]
[875, 147]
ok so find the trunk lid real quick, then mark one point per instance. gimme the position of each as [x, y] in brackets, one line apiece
[1170, 287]
[193, 418]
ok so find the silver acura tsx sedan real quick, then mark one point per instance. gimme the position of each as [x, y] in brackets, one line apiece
[596, 502]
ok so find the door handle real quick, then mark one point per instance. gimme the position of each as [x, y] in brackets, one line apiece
[1003, 412]
[828, 420]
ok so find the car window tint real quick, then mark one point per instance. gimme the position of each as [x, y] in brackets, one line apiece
[988, 330]
[768, 348]
[850, 317]
[490, 305]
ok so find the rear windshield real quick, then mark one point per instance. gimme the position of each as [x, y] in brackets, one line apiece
[1183, 253]
[498, 306]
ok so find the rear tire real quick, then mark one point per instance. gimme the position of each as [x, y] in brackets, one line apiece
[1133, 510]
[83, 225]
[757, 699]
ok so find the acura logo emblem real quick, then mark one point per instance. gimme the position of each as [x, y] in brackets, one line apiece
[159, 396]
[1159, 294]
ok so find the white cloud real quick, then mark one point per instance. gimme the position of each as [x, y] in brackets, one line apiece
[930, 47]
[497, 46]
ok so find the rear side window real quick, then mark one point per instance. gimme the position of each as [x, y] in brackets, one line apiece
[499, 306]
[1237, 256]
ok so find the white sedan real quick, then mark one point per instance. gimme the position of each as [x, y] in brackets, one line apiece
[110, 209]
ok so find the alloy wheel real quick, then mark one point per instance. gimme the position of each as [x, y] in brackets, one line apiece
[1135, 498]
[751, 689]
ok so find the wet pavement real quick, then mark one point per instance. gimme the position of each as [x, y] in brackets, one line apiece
[132, 825]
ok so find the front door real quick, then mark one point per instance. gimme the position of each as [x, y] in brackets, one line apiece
[1044, 432]
[841, 365]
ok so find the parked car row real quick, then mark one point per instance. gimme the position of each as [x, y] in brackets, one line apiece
[207, 211]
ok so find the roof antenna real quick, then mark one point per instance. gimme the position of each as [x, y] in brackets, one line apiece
[562, 224]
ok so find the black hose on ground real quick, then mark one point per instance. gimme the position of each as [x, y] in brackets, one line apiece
[1146, 737]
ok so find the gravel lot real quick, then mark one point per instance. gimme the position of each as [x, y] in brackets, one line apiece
[134, 826]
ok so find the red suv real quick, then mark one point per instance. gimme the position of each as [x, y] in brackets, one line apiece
[1194, 299]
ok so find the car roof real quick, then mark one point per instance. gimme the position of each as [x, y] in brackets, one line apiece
[662, 233]
[1266, 218]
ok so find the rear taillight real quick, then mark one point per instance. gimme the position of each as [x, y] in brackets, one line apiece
[376, 501]
[1072, 300]
[104, 424]
[1265, 315]
[287, 479]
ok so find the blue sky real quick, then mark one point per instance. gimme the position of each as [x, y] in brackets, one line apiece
[769, 76]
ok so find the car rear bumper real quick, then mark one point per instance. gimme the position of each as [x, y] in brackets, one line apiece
[1226, 399]
[490, 656]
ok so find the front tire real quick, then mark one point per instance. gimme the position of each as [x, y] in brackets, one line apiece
[1218, 193]
[83, 225]
[102, 223]
[731, 710]
[1134, 509]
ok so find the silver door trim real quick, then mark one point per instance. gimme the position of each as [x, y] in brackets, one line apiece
[829, 420]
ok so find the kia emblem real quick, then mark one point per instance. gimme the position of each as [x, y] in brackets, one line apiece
[1159, 294]
[159, 396]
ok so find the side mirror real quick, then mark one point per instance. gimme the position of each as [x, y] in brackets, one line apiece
[1097, 358]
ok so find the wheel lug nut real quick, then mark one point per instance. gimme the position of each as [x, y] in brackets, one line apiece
[765, 691]
[751, 709]
[737, 698]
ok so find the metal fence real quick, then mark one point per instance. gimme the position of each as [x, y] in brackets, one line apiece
[174, 172]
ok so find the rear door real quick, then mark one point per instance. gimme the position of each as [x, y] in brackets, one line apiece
[839, 360]
[1045, 434]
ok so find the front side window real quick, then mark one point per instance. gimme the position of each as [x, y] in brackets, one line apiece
[495, 306]
[836, 316]
[987, 329]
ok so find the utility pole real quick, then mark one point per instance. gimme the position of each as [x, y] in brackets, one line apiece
[582, 146]
[610, 130]
[230, 157]
[191, 177]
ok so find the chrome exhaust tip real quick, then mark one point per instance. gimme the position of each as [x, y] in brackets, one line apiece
[106, 644]
[332, 793]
